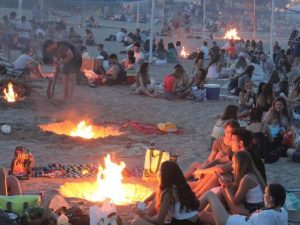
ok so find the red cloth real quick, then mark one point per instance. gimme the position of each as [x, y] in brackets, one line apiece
[168, 83]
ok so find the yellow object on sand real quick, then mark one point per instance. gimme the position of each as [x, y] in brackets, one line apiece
[167, 127]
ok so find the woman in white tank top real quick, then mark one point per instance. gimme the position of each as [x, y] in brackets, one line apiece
[245, 195]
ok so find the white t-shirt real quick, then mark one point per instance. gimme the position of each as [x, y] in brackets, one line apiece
[22, 61]
[212, 72]
[120, 36]
[24, 26]
[265, 217]
[205, 50]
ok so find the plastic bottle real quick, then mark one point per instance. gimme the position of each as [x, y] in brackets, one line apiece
[62, 220]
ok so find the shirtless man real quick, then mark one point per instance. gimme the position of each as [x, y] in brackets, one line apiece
[67, 58]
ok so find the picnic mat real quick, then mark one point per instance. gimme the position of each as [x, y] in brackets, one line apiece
[78, 171]
[147, 128]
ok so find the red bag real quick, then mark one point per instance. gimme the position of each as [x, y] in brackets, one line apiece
[22, 163]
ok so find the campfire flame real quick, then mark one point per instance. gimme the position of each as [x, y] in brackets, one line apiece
[184, 53]
[83, 130]
[232, 35]
[9, 94]
[109, 185]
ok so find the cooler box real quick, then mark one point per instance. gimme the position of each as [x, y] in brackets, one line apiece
[212, 91]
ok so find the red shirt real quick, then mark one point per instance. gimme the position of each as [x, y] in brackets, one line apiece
[168, 83]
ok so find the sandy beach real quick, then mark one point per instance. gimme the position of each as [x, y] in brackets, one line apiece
[116, 105]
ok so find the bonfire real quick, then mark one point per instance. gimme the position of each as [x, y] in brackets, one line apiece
[184, 53]
[9, 94]
[109, 185]
[83, 129]
[232, 35]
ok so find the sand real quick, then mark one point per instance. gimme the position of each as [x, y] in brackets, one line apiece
[117, 105]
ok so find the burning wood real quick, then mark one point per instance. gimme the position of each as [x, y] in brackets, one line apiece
[109, 185]
[232, 35]
[9, 94]
[82, 129]
[184, 53]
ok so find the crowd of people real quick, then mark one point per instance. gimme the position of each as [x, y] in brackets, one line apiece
[230, 187]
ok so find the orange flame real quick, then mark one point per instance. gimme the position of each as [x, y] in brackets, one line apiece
[232, 35]
[183, 53]
[109, 185]
[9, 94]
[83, 130]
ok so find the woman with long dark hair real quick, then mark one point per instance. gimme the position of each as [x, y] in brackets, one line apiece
[214, 67]
[272, 214]
[174, 203]
[266, 98]
[143, 81]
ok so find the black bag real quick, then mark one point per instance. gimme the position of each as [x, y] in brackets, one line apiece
[6, 218]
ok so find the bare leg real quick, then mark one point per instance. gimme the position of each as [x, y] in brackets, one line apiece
[13, 186]
[65, 82]
[9, 185]
[212, 182]
[218, 211]
[142, 90]
[72, 83]
[3, 182]
[140, 221]
[201, 183]
[190, 171]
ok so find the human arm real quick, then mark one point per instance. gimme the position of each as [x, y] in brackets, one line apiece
[163, 210]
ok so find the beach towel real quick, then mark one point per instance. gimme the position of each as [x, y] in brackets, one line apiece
[65, 171]
[147, 128]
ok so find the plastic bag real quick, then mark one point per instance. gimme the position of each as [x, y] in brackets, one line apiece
[105, 215]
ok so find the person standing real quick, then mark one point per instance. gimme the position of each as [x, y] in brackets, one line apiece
[68, 60]
[24, 29]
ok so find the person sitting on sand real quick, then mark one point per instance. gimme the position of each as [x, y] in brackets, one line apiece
[199, 61]
[171, 54]
[102, 52]
[129, 64]
[116, 74]
[74, 37]
[214, 68]
[89, 38]
[247, 98]
[138, 55]
[245, 194]
[230, 113]
[143, 81]
[174, 203]
[220, 150]
[175, 83]
[9, 185]
[272, 214]
[25, 63]
[195, 88]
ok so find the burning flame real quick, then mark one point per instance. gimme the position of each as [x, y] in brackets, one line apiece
[108, 186]
[10, 95]
[83, 130]
[183, 53]
[232, 35]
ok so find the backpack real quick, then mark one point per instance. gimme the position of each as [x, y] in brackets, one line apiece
[22, 163]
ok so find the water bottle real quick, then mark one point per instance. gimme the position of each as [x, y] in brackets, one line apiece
[62, 220]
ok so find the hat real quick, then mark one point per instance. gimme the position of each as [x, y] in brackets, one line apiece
[167, 127]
